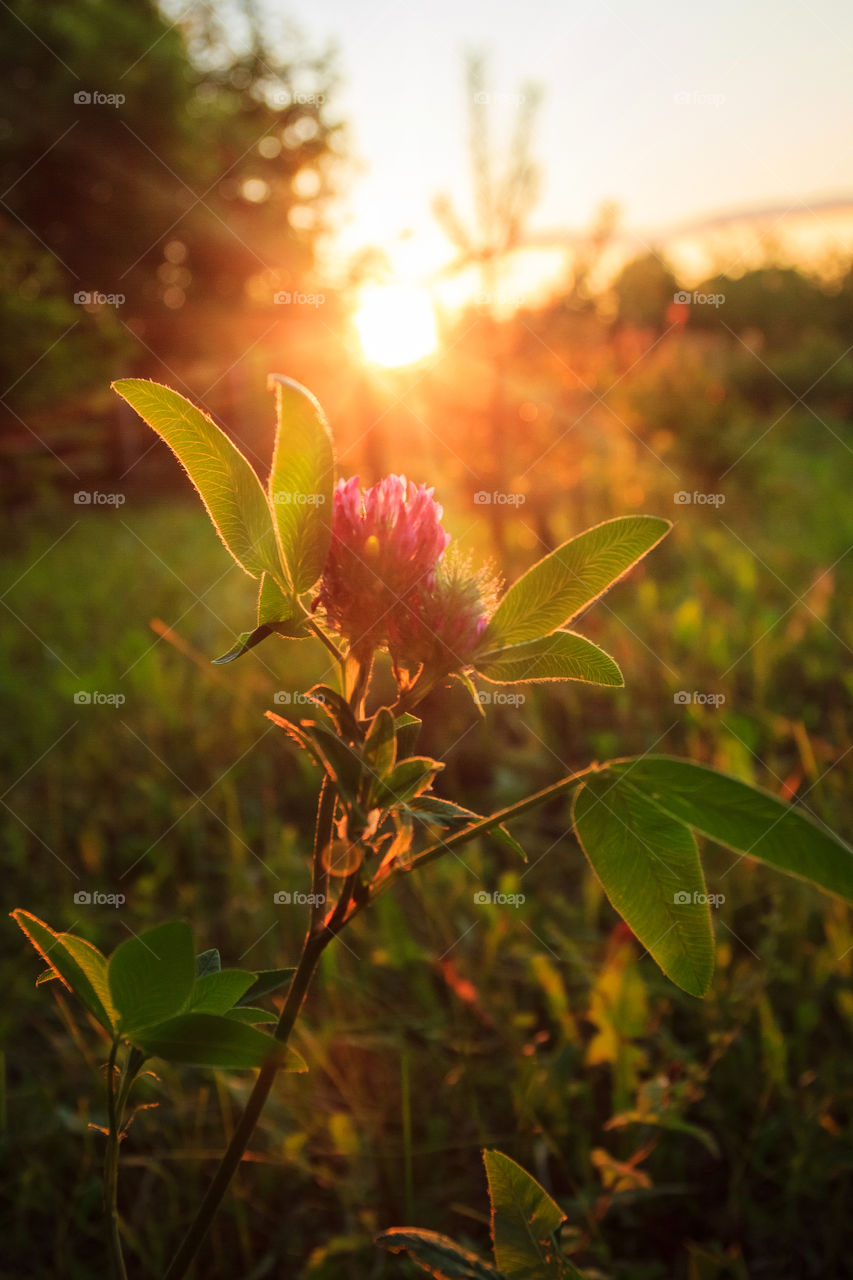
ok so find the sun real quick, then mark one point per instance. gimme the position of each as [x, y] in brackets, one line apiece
[396, 324]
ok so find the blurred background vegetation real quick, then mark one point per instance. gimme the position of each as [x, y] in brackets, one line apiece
[703, 1140]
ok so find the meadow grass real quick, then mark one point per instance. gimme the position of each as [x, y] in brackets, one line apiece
[676, 1134]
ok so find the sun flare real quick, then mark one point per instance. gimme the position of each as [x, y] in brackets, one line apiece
[396, 324]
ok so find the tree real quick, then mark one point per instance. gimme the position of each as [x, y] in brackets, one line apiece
[645, 289]
[502, 203]
[181, 166]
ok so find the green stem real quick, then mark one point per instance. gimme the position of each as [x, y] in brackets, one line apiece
[111, 1169]
[320, 874]
[478, 828]
[330, 645]
[319, 935]
[316, 941]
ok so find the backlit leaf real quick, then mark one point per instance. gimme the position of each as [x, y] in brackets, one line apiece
[744, 818]
[649, 867]
[151, 975]
[225, 480]
[570, 578]
[78, 964]
[301, 482]
[210, 1040]
[561, 656]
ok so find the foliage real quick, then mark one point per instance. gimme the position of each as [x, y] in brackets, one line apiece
[378, 822]
[525, 1222]
[172, 197]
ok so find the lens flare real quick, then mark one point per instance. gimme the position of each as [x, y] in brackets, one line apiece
[396, 325]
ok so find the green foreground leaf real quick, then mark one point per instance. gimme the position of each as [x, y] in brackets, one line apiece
[225, 480]
[209, 1040]
[151, 975]
[291, 630]
[570, 578]
[78, 965]
[524, 1222]
[648, 865]
[218, 992]
[744, 818]
[207, 962]
[561, 656]
[437, 1254]
[301, 482]
[266, 981]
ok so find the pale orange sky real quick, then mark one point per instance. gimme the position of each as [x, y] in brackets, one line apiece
[674, 111]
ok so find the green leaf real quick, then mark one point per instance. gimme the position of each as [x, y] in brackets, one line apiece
[744, 818]
[245, 1013]
[568, 579]
[471, 689]
[502, 837]
[266, 981]
[151, 975]
[380, 745]
[649, 867]
[342, 764]
[435, 809]
[225, 480]
[78, 965]
[218, 992]
[211, 1040]
[561, 656]
[524, 1221]
[278, 614]
[337, 709]
[301, 482]
[407, 728]
[291, 630]
[442, 1257]
[407, 779]
[207, 962]
[666, 1120]
[274, 606]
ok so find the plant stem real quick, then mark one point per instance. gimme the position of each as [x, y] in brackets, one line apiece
[111, 1169]
[316, 941]
[320, 874]
[319, 935]
[480, 827]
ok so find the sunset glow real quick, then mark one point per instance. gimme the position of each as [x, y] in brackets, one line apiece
[396, 325]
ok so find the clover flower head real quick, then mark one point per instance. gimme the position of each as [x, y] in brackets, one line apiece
[386, 545]
[443, 628]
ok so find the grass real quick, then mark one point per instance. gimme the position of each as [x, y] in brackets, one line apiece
[682, 1138]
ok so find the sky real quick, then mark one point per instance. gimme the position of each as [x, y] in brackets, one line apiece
[673, 110]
